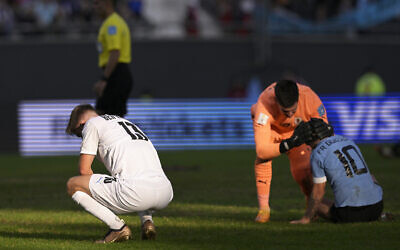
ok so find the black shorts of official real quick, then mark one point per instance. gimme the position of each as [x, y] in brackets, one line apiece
[356, 214]
[116, 93]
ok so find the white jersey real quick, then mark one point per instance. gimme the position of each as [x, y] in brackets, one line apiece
[123, 148]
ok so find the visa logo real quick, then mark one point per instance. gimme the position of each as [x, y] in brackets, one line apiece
[367, 120]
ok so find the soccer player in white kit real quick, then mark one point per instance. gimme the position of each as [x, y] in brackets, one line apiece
[136, 183]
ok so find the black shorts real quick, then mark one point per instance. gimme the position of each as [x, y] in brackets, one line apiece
[116, 93]
[356, 214]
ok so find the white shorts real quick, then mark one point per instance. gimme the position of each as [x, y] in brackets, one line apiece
[130, 195]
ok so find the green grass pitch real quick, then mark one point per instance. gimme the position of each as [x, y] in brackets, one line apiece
[213, 208]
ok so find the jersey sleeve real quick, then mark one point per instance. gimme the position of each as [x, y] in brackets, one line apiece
[317, 169]
[266, 148]
[113, 36]
[316, 107]
[90, 139]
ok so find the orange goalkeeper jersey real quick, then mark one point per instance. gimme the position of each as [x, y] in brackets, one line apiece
[271, 126]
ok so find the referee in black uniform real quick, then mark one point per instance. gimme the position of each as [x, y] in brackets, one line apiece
[114, 46]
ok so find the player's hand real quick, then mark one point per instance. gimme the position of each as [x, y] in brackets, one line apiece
[303, 221]
[322, 129]
[99, 87]
[301, 134]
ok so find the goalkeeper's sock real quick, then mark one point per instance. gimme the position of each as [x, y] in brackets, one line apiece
[263, 173]
[98, 210]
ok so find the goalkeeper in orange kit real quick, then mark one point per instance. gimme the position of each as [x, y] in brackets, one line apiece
[279, 109]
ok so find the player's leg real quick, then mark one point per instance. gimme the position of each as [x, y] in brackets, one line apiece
[263, 173]
[78, 188]
[148, 228]
[299, 158]
[157, 194]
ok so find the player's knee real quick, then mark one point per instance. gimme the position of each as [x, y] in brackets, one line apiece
[71, 186]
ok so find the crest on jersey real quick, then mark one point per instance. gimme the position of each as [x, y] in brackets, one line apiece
[297, 120]
[321, 110]
[262, 119]
[112, 30]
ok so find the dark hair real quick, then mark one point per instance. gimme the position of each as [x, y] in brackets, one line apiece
[319, 129]
[287, 93]
[76, 114]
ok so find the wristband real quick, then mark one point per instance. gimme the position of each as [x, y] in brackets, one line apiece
[284, 147]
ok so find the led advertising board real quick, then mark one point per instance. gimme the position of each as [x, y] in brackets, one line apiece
[202, 124]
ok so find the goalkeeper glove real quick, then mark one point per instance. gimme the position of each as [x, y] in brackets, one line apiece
[301, 134]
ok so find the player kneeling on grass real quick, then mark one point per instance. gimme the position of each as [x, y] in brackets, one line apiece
[137, 182]
[339, 161]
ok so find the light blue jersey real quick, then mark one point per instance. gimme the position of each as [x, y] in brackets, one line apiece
[339, 160]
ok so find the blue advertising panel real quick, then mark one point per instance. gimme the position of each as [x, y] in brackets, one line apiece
[201, 124]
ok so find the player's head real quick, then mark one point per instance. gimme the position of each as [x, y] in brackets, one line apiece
[79, 116]
[287, 95]
[102, 7]
[319, 130]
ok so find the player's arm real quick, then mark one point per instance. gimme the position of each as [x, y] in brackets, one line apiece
[90, 142]
[318, 190]
[114, 44]
[110, 67]
[85, 164]
[111, 64]
[314, 201]
[113, 40]
[317, 108]
[266, 148]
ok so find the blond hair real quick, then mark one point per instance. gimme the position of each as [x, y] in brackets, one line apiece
[76, 114]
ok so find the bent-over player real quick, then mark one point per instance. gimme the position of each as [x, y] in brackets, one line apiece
[137, 182]
[279, 110]
[339, 161]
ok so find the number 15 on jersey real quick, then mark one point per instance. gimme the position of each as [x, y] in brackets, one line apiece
[133, 131]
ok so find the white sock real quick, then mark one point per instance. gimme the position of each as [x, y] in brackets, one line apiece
[145, 216]
[98, 210]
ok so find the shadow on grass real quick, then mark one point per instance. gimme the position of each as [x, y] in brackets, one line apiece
[46, 235]
[250, 236]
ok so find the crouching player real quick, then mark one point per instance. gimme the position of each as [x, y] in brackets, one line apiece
[279, 110]
[339, 161]
[137, 182]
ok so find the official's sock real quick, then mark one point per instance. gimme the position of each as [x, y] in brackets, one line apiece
[145, 216]
[98, 210]
[263, 173]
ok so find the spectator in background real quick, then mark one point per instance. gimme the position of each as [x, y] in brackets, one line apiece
[24, 11]
[370, 84]
[6, 18]
[293, 76]
[167, 17]
[136, 7]
[237, 89]
[191, 18]
[45, 12]
[246, 8]
[253, 89]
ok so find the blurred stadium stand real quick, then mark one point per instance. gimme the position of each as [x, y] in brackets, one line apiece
[195, 48]
[201, 18]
